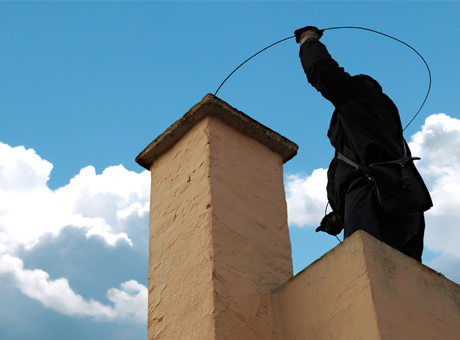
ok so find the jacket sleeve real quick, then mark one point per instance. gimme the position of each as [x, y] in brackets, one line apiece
[325, 74]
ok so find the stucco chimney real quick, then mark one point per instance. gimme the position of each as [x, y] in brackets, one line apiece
[219, 240]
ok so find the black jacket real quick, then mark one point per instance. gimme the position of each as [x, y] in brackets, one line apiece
[365, 126]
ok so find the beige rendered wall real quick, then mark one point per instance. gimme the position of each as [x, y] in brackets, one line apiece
[252, 250]
[330, 299]
[364, 289]
[219, 240]
[180, 283]
[411, 300]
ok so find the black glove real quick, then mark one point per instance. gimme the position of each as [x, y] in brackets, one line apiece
[331, 224]
[299, 32]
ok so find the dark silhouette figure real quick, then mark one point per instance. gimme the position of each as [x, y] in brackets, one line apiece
[365, 128]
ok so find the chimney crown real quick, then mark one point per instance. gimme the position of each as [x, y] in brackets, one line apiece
[212, 105]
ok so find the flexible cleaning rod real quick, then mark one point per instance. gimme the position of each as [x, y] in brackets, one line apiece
[345, 27]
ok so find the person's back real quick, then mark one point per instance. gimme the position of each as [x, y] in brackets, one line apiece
[365, 128]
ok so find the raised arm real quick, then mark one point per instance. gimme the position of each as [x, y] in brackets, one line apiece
[323, 72]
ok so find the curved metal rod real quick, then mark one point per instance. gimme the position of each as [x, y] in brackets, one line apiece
[345, 27]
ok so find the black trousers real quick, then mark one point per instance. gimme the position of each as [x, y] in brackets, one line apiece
[362, 212]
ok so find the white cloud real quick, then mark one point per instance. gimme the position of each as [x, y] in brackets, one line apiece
[306, 198]
[135, 209]
[104, 232]
[22, 170]
[438, 144]
[129, 303]
[29, 208]
[110, 206]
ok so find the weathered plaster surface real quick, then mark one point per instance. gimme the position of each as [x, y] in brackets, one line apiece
[364, 289]
[411, 301]
[330, 299]
[181, 298]
[252, 250]
[219, 240]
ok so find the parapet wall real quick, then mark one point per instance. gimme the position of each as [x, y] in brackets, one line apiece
[364, 289]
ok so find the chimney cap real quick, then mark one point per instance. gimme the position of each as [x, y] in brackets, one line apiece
[211, 105]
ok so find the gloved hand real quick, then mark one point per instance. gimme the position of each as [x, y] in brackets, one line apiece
[307, 32]
[331, 224]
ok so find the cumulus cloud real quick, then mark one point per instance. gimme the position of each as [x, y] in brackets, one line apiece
[109, 206]
[306, 198]
[129, 303]
[22, 170]
[29, 208]
[438, 144]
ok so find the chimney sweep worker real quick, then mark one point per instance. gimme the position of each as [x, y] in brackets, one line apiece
[367, 135]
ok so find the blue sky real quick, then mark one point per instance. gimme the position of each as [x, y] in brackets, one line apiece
[87, 85]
